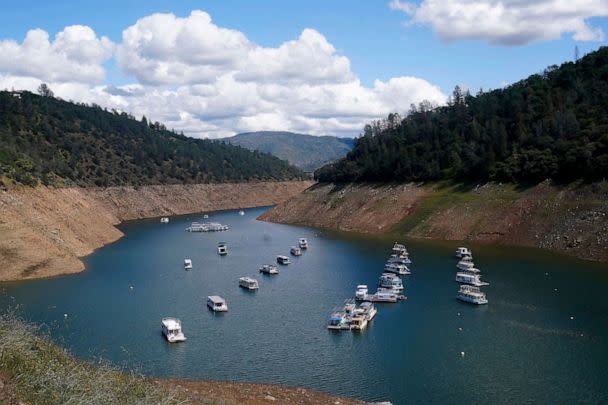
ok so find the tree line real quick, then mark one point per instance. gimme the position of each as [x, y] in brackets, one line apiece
[552, 125]
[48, 140]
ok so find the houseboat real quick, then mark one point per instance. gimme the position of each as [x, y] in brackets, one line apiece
[465, 264]
[296, 251]
[382, 295]
[164, 220]
[472, 294]
[390, 281]
[399, 249]
[241, 212]
[217, 303]
[399, 259]
[369, 310]
[222, 249]
[466, 277]
[337, 321]
[187, 264]
[172, 330]
[269, 269]
[283, 260]
[400, 269]
[248, 283]
[303, 243]
[358, 322]
[462, 252]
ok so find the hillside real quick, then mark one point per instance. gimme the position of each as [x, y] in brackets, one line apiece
[569, 219]
[44, 139]
[549, 126]
[304, 151]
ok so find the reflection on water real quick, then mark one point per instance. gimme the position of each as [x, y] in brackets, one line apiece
[543, 337]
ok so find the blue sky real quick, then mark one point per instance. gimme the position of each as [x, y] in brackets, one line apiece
[376, 39]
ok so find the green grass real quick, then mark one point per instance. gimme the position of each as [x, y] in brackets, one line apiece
[44, 373]
[446, 195]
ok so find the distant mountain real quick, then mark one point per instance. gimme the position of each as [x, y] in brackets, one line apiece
[307, 152]
[44, 139]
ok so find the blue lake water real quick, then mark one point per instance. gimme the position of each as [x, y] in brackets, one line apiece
[522, 347]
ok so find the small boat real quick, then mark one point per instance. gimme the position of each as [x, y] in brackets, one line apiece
[283, 260]
[466, 277]
[361, 292]
[396, 268]
[471, 294]
[338, 321]
[390, 281]
[164, 220]
[269, 269]
[172, 330]
[295, 251]
[399, 249]
[205, 216]
[217, 303]
[462, 252]
[303, 243]
[249, 283]
[358, 322]
[241, 212]
[465, 265]
[369, 310]
[222, 249]
[399, 259]
[187, 264]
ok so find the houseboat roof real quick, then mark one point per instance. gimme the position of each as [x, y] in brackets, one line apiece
[172, 323]
[216, 299]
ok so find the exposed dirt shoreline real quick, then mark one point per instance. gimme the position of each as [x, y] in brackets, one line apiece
[569, 219]
[45, 231]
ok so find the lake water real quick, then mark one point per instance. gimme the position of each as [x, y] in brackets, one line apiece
[522, 347]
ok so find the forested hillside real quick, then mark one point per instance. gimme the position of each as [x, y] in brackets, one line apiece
[552, 125]
[44, 139]
[307, 152]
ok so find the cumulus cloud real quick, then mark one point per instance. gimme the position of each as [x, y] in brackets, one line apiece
[211, 81]
[75, 55]
[508, 22]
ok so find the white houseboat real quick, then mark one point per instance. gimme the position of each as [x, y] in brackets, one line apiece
[248, 283]
[283, 260]
[217, 303]
[396, 268]
[390, 281]
[172, 330]
[241, 212]
[187, 264]
[369, 310]
[399, 249]
[462, 252]
[399, 259]
[222, 249]
[466, 277]
[472, 294]
[164, 220]
[303, 243]
[296, 251]
[269, 269]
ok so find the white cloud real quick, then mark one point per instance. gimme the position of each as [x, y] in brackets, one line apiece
[75, 55]
[210, 81]
[508, 22]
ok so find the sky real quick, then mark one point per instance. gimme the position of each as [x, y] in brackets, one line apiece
[212, 68]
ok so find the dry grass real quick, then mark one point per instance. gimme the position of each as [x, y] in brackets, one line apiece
[43, 373]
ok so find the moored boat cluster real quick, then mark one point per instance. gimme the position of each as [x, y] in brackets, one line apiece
[390, 288]
[469, 278]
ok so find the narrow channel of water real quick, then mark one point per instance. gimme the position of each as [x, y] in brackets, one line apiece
[543, 338]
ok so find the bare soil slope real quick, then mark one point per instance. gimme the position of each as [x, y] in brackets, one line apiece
[571, 219]
[44, 231]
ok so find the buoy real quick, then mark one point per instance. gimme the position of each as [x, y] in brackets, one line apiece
[460, 329]
[571, 318]
[546, 274]
[65, 315]
[555, 289]
[461, 354]
[131, 287]
[459, 314]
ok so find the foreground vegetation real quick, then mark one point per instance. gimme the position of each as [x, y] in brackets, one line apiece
[43, 373]
[549, 126]
[48, 140]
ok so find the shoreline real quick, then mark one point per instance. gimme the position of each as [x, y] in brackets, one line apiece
[570, 220]
[45, 231]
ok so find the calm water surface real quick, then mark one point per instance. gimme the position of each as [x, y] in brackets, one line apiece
[522, 347]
